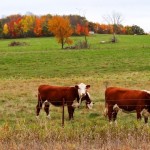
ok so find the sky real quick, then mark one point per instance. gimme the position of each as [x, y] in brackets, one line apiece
[132, 12]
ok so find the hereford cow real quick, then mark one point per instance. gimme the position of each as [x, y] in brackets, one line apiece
[127, 100]
[56, 94]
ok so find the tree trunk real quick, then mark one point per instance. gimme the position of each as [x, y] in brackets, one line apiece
[62, 44]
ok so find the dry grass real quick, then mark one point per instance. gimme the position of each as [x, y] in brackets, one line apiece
[90, 130]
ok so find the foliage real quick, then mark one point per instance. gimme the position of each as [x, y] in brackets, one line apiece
[83, 30]
[62, 30]
[1, 29]
[31, 26]
[5, 29]
[38, 27]
[137, 30]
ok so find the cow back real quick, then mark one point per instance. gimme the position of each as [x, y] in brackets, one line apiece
[55, 94]
[125, 98]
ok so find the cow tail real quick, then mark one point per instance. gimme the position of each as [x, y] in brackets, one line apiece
[106, 109]
[106, 84]
[106, 104]
[39, 98]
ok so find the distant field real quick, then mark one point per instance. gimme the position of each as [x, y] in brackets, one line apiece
[41, 61]
[42, 57]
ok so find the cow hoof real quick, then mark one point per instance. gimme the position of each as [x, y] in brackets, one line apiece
[48, 117]
[37, 117]
[146, 125]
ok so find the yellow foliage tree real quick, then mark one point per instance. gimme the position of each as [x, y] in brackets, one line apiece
[61, 28]
[5, 29]
[27, 24]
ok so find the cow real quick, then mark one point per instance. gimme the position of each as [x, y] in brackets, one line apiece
[55, 95]
[128, 100]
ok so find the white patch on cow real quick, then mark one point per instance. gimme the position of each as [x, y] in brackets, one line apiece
[116, 108]
[46, 102]
[75, 104]
[146, 91]
[90, 105]
[82, 90]
[145, 113]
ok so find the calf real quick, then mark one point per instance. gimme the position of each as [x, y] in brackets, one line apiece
[128, 100]
[56, 94]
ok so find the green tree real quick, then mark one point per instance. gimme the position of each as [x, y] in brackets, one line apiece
[137, 30]
[1, 29]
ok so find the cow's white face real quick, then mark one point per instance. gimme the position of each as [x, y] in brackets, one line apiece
[82, 89]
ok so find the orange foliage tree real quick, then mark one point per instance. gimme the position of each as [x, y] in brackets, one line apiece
[38, 27]
[61, 28]
[83, 30]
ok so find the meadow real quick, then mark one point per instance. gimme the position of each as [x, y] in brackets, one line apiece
[42, 61]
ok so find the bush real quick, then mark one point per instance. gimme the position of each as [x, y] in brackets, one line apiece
[82, 45]
[14, 43]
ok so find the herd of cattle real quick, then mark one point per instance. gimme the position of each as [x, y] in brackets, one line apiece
[115, 99]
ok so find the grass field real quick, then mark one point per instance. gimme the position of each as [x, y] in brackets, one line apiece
[41, 61]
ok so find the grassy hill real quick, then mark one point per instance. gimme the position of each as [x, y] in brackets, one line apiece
[41, 61]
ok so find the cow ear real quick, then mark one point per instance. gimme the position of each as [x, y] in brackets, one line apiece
[76, 86]
[88, 86]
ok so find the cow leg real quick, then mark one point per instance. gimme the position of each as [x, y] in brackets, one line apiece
[146, 119]
[46, 108]
[138, 111]
[114, 115]
[38, 108]
[70, 111]
[110, 111]
[145, 114]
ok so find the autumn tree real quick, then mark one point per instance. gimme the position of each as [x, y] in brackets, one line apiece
[5, 30]
[45, 30]
[27, 23]
[83, 30]
[38, 27]
[61, 28]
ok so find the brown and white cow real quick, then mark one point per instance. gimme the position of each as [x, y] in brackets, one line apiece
[128, 100]
[55, 95]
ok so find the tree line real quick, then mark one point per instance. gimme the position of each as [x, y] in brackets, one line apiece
[20, 26]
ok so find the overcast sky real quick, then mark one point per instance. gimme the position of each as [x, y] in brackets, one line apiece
[133, 12]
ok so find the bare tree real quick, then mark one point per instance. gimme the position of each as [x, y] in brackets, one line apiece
[115, 20]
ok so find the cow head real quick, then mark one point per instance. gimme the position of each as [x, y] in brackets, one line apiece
[84, 94]
[87, 98]
[82, 89]
[147, 97]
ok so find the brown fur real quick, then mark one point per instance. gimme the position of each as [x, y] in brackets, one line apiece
[126, 99]
[55, 96]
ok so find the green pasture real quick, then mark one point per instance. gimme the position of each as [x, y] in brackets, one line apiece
[42, 61]
[42, 57]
